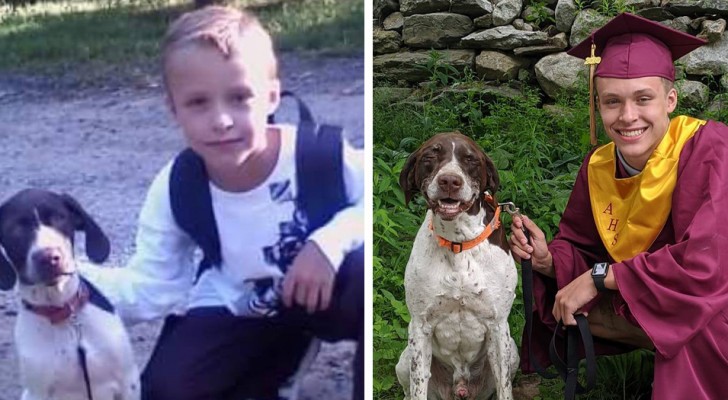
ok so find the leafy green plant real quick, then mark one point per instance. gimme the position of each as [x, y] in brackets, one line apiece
[441, 73]
[624, 377]
[613, 7]
[540, 13]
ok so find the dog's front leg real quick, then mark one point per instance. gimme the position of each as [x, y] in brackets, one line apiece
[132, 387]
[501, 349]
[420, 346]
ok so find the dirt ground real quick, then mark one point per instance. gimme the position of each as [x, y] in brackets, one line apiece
[104, 142]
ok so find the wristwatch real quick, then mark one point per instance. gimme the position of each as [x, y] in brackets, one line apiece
[599, 273]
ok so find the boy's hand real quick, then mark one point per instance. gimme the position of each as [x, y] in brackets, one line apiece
[538, 250]
[309, 281]
[573, 296]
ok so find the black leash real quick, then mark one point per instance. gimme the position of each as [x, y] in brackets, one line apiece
[84, 368]
[568, 370]
[527, 287]
[82, 356]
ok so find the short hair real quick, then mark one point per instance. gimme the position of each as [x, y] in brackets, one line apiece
[221, 27]
[667, 84]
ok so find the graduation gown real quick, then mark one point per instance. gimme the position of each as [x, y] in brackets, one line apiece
[676, 291]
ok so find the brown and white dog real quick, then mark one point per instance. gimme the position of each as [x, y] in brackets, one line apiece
[459, 285]
[60, 312]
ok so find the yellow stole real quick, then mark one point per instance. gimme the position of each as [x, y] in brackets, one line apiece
[629, 213]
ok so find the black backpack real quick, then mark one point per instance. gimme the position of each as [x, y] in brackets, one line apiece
[320, 181]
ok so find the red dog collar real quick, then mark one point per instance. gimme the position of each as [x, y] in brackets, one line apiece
[58, 314]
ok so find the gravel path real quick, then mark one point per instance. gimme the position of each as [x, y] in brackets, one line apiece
[104, 143]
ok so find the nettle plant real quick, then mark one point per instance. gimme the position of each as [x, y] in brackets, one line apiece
[613, 7]
[540, 13]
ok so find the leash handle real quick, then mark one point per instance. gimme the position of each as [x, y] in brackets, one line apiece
[569, 369]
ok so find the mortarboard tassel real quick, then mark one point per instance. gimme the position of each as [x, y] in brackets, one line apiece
[592, 63]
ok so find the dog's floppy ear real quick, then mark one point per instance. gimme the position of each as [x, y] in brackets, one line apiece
[7, 271]
[407, 178]
[492, 182]
[97, 244]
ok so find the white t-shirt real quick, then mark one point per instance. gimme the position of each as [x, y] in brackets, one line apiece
[160, 277]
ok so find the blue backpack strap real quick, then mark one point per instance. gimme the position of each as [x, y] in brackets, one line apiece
[96, 298]
[319, 169]
[191, 202]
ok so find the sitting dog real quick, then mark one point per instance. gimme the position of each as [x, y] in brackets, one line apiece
[460, 279]
[71, 346]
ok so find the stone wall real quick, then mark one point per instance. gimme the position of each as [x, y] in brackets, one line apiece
[526, 40]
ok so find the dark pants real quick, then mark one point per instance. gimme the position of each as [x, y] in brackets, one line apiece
[211, 354]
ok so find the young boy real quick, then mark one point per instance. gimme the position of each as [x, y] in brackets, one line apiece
[641, 243]
[227, 335]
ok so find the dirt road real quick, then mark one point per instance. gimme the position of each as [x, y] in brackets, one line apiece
[104, 143]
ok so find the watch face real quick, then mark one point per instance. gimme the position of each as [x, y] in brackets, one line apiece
[600, 269]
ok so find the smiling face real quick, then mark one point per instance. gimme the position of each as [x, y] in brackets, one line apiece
[451, 171]
[221, 102]
[635, 114]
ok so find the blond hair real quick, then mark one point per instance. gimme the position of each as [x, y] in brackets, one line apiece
[222, 27]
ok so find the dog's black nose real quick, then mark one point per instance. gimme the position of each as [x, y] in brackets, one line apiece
[449, 182]
[48, 257]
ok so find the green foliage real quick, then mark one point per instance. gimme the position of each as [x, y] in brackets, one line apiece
[332, 26]
[78, 32]
[394, 227]
[113, 32]
[612, 8]
[624, 377]
[540, 13]
[441, 73]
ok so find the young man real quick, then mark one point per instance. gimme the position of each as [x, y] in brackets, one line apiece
[643, 242]
[227, 335]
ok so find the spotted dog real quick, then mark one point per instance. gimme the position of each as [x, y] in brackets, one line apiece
[71, 346]
[460, 279]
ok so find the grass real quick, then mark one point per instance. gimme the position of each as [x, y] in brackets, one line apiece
[537, 150]
[77, 32]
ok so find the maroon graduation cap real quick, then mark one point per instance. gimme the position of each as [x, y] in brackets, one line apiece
[630, 47]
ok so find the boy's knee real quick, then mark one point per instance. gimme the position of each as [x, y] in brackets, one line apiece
[162, 385]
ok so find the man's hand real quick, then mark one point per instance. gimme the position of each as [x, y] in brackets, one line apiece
[309, 281]
[538, 251]
[573, 296]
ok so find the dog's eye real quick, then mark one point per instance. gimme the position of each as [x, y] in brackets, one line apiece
[21, 225]
[471, 159]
